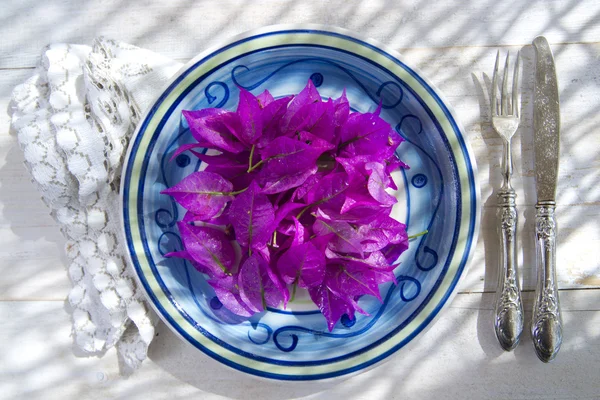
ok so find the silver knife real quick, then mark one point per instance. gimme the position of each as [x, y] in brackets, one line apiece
[546, 326]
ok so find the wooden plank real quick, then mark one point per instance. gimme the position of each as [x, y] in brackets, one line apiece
[458, 357]
[181, 29]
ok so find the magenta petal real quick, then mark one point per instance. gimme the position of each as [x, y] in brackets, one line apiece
[209, 247]
[217, 127]
[321, 242]
[310, 183]
[320, 120]
[219, 220]
[234, 169]
[315, 141]
[179, 254]
[203, 193]
[357, 281]
[385, 276]
[250, 113]
[271, 116]
[186, 147]
[287, 211]
[375, 261]
[393, 251]
[341, 108]
[251, 283]
[274, 181]
[357, 197]
[308, 95]
[228, 294]
[265, 98]
[252, 216]
[288, 163]
[366, 134]
[237, 175]
[331, 305]
[227, 171]
[380, 270]
[395, 163]
[382, 231]
[284, 149]
[355, 166]
[299, 234]
[259, 288]
[357, 215]
[378, 181]
[225, 159]
[327, 189]
[303, 264]
[286, 228]
[346, 239]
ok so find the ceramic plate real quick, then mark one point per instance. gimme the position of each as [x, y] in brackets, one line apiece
[438, 193]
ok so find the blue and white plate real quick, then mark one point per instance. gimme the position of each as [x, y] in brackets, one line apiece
[438, 193]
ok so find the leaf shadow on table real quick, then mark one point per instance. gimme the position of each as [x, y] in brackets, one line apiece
[490, 220]
[488, 232]
[34, 362]
[409, 372]
[522, 356]
[396, 377]
[190, 365]
[34, 235]
[526, 210]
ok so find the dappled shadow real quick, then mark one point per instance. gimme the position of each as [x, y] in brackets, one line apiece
[450, 42]
[33, 249]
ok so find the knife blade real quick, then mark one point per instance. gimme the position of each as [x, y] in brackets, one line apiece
[546, 326]
[546, 121]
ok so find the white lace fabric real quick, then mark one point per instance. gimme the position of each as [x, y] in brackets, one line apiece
[73, 119]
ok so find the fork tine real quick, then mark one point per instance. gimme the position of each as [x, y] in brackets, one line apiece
[504, 98]
[515, 93]
[495, 87]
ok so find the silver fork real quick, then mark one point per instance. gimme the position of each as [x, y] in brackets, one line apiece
[505, 120]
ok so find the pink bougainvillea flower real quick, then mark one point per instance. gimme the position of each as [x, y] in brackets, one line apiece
[294, 193]
[252, 216]
[203, 193]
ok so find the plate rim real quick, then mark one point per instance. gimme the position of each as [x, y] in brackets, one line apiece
[464, 146]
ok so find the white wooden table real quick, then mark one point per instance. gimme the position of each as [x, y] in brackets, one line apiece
[454, 43]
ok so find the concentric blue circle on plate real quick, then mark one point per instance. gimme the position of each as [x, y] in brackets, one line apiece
[438, 194]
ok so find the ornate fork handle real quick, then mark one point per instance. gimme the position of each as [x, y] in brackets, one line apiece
[508, 323]
[546, 326]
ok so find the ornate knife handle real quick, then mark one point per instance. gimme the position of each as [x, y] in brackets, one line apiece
[509, 307]
[546, 326]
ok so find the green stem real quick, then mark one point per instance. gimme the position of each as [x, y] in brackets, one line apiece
[418, 234]
[302, 211]
[274, 239]
[223, 193]
[258, 164]
[294, 286]
[237, 192]
[262, 294]
[251, 158]
[316, 203]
